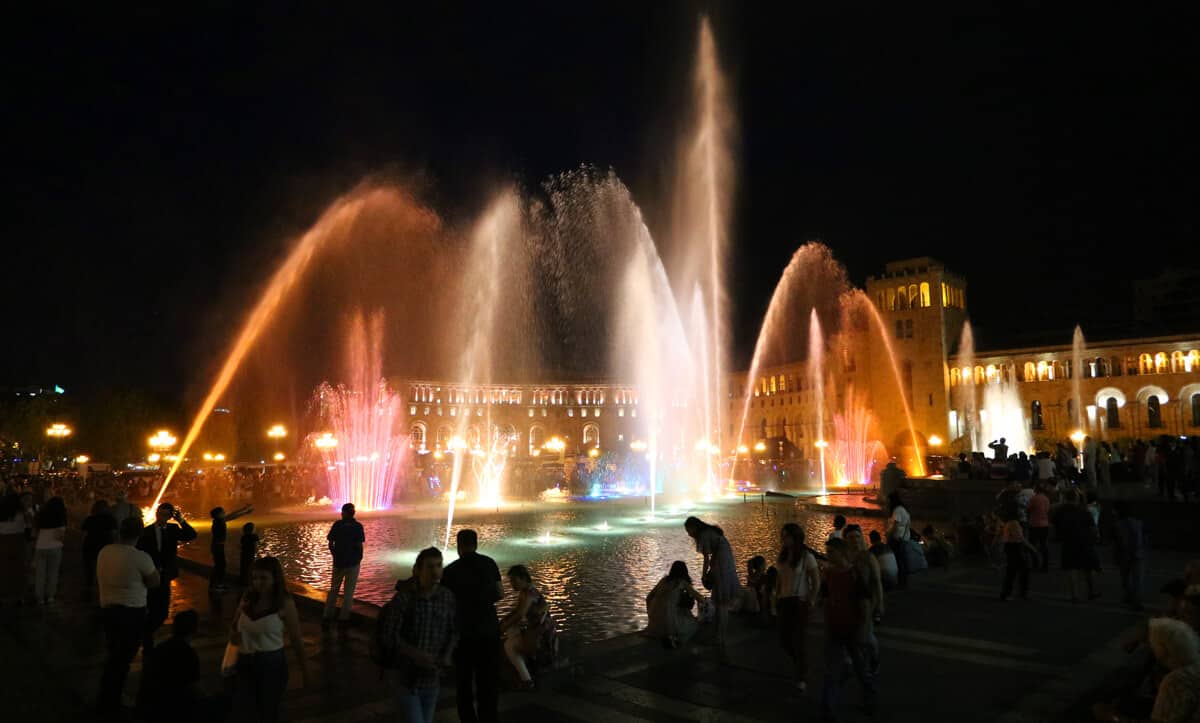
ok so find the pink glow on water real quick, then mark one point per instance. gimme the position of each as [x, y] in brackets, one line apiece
[855, 452]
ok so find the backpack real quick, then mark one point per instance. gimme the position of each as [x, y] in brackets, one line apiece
[387, 633]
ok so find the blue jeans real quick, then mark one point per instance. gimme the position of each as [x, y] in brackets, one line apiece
[417, 705]
[837, 649]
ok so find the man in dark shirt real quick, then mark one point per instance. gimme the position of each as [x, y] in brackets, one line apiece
[161, 541]
[475, 581]
[170, 673]
[346, 539]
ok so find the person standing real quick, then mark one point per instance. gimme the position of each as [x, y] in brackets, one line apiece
[898, 534]
[420, 628]
[267, 612]
[48, 549]
[346, 539]
[798, 583]
[1016, 560]
[475, 581]
[248, 550]
[216, 546]
[843, 630]
[1039, 525]
[868, 570]
[1129, 548]
[123, 509]
[1078, 534]
[720, 572]
[123, 574]
[99, 529]
[161, 541]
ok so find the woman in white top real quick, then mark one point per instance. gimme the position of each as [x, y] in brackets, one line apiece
[897, 534]
[798, 582]
[48, 548]
[267, 612]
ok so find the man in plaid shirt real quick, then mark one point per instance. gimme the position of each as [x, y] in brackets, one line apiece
[422, 627]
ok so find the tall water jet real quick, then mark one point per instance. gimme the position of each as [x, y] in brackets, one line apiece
[1077, 347]
[335, 226]
[812, 281]
[967, 390]
[705, 190]
[884, 335]
[816, 375]
[492, 244]
[363, 452]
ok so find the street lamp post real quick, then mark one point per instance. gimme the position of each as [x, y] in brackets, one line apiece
[276, 433]
[161, 442]
[58, 432]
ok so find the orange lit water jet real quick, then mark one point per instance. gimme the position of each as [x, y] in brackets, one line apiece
[334, 226]
[918, 457]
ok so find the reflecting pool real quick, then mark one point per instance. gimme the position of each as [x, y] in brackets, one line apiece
[594, 561]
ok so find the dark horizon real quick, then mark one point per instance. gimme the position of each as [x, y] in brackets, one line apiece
[162, 161]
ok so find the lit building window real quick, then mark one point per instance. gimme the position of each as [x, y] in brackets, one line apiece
[595, 412]
[1154, 412]
[901, 298]
[570, 412]
[955, 377]
[583, 412]
[1177, 362]
[1192, 362]
[1043, 371]
[1035, 415]
[913, 296]
[966, 375]
[891, 299]
[412, 411]
[1145, 364]
[783, 379]
[620, 411]
[1030, 373]
[925, 302]
[531, 411]
[1160, 363]
[774, 387]
[945, 296]
[453, 411]
[991, 374]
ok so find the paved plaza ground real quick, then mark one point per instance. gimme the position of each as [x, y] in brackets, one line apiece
[951, 651]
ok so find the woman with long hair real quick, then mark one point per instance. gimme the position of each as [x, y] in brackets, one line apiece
[48, 548]
[525, 624]
[266, 613]
[798, 582]
[669, 607]
[719, 574]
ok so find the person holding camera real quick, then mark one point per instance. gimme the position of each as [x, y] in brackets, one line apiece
[161, 542]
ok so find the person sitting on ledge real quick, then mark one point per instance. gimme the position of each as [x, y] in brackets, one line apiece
[888, 571]
[669, 607]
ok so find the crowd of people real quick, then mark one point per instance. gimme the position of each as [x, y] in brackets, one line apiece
[1167, 465]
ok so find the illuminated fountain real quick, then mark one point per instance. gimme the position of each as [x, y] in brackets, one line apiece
[816, 374]
[1000, 410]
[855, 450]
[364, 453]
[1077, 350]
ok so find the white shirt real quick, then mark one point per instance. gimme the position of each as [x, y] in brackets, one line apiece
[120, 572]
[793, 581]
[900, 523]
[261, 636]
[50, 538]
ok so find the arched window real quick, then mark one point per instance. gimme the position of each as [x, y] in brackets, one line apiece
[1043, 371]
[979, 375]
[537, 437]
[1160, 363]
[1030, 373]
[925, 294]
[1153, 412]
[945, 295]
[901, 298]
[966, 375]
[443, 436]
[416, 435]
[913, 296]
[1112, 411]
[1114, 367]
[1035, 415]
[591, 435]
[1177, 363]
[891, 299]
[1100, 367]
[991, 374]
[774, 386]
[955, 376]
[1192, 361]
[1196, 409]
[783, 383]
[1145, 364]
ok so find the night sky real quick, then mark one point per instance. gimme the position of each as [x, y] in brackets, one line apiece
[157, 162]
